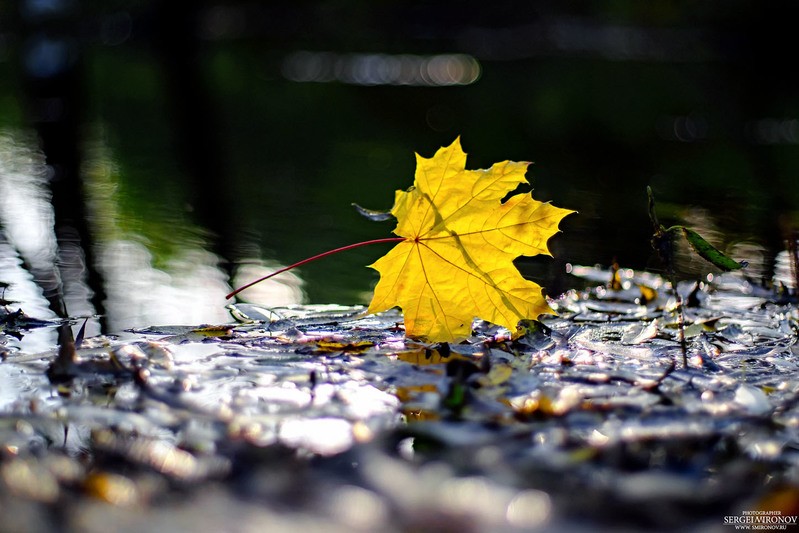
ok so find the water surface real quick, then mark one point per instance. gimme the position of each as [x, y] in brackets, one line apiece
[214, 145]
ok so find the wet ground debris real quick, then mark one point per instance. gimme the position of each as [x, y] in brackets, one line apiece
[579, 420]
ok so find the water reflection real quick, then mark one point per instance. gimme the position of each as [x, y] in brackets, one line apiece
[27, 242]
[216, 143]
[179, 282]
[281, 290]
[183, 283]
[25, 210]
[785, 270]
[23, 293]
[190, 289]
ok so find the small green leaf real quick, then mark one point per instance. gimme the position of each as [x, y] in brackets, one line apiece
[456, 396]
[708, 252]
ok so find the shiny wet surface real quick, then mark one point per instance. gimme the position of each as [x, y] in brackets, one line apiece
[320, 417]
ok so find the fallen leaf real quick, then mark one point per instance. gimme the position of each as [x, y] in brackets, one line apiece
[498, 375]
[213, 331]
[648, 294]
[426, 357]
[335, 346]
[456, 262]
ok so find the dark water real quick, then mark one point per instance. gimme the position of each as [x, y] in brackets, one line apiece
[237, 135]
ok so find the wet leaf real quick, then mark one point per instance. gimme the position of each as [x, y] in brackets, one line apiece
[534, 334]
[697, 327]
[111, 488]
[639, 333]
[176, 331]
[615, 283]
[420, 415]
[248, 313]
[648, 294]
[709, 252]
[753, 400]
[377, 216]
[425, 356]
[336, 346]
[213, 331]
[498, 375]
[456, 262]
[406, 394]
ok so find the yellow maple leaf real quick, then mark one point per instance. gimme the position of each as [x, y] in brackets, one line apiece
[456, 262]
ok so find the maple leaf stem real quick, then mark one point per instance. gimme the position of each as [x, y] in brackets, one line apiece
[314, 258]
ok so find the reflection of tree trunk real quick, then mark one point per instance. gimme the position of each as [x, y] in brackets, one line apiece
[197, 142]
[51, 69]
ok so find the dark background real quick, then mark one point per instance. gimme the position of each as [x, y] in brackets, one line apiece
[248, 128]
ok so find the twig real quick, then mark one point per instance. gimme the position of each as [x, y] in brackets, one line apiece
[663, 243]
[314, 258]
